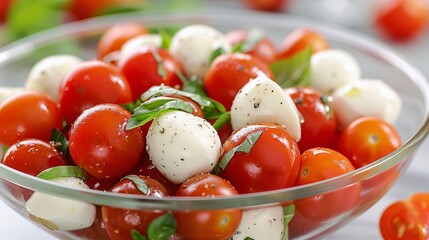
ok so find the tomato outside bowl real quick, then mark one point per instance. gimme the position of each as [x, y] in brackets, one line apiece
[376, 59]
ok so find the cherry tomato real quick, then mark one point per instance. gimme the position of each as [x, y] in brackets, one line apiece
[120, 222]
[406, 219]
[264, 49]
[319, 127]
[147, 169]
[82, 9]
[401, 19]
[266, 5]
[4, 8]
[368, 139]
[272, 163]
[210, 224]
[100, 144]
[89, 84]
[32, 156]
[318, 164]
[99, 184]
[142, 78]
[28, 114]
[299, 40]
[229, 73]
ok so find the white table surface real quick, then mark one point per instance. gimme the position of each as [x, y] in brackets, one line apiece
[14, 227]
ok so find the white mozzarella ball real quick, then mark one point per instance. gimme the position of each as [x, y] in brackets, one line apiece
[333, 68]
[262, 223]
[60, 213]
[5, 92]
[182, 145]
[47, 74]
[193, 45]
[135, 44]
[263, 100]
[367, 97]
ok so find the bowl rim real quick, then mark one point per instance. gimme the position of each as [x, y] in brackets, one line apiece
[358, 40]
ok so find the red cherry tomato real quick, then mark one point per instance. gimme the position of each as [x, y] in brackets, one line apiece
[319, 127]
[89, 84]
[100, 144]
[142, 78]
[210, 224]
[264, 49]
[266, 5]
[406, 219]
[120, 222]
[318, 164]
[368, 139]
[272, 162]
[82, 9]
[28, 114]
[299, 40]
[229, 73]
[32, 156]
[401, 19]
[4, 9]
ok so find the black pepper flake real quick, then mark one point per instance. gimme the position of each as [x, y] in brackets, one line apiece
[200, 125]
[162, 131]
[163, 166]
[256, 105]
[182, 159]
[281, 103]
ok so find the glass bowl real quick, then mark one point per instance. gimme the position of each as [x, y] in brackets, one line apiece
[376, 60]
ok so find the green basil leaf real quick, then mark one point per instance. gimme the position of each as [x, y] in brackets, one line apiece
[140, 183]
[288, 213]
[155, 107]
[194, 85]
[159, 61]
[162, 227]
[245, 147]
[60, 141]
[211, 108]
[222, 120]
[137, 236]
[248, 238]
[166, 39]
[254, 36]
[62, 171]
[216, 53]
[121, 8]
[132, 105]
[293, 71]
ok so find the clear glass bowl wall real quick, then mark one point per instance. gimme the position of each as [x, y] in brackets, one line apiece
[376, 60]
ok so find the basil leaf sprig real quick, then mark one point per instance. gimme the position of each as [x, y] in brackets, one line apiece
[288, 213]
[254, 36]
[140, 183]
[211, 108]
[159, 229]
[62, 171]
[155, 107]
[293, 71]
[59, 141]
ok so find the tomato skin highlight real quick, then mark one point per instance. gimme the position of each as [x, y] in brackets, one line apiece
[100, 144]
[28, 114]
[368, 139]
[142, 78]
[318, 164]
[87, 85]
[271, 164]
[401, 19]
[210, 224]
[319, 127]
[299, 40]
[120, 222]
[232, 71]
[406, 219]
[32, 156]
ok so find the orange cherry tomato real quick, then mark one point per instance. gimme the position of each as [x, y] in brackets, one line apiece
[229, 73]
[299, 40]
[401, 19]
[406, 219]
[114, 37]
[368, 139]
[319, 164]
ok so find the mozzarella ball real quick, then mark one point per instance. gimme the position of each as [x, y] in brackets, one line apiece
[58, 213]
[47, 74]
[5, 92]
[193, 46]
[367, 97]
[135, 44]
[263, 100]
[333, 68]
[182, 145]
[261, 223]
